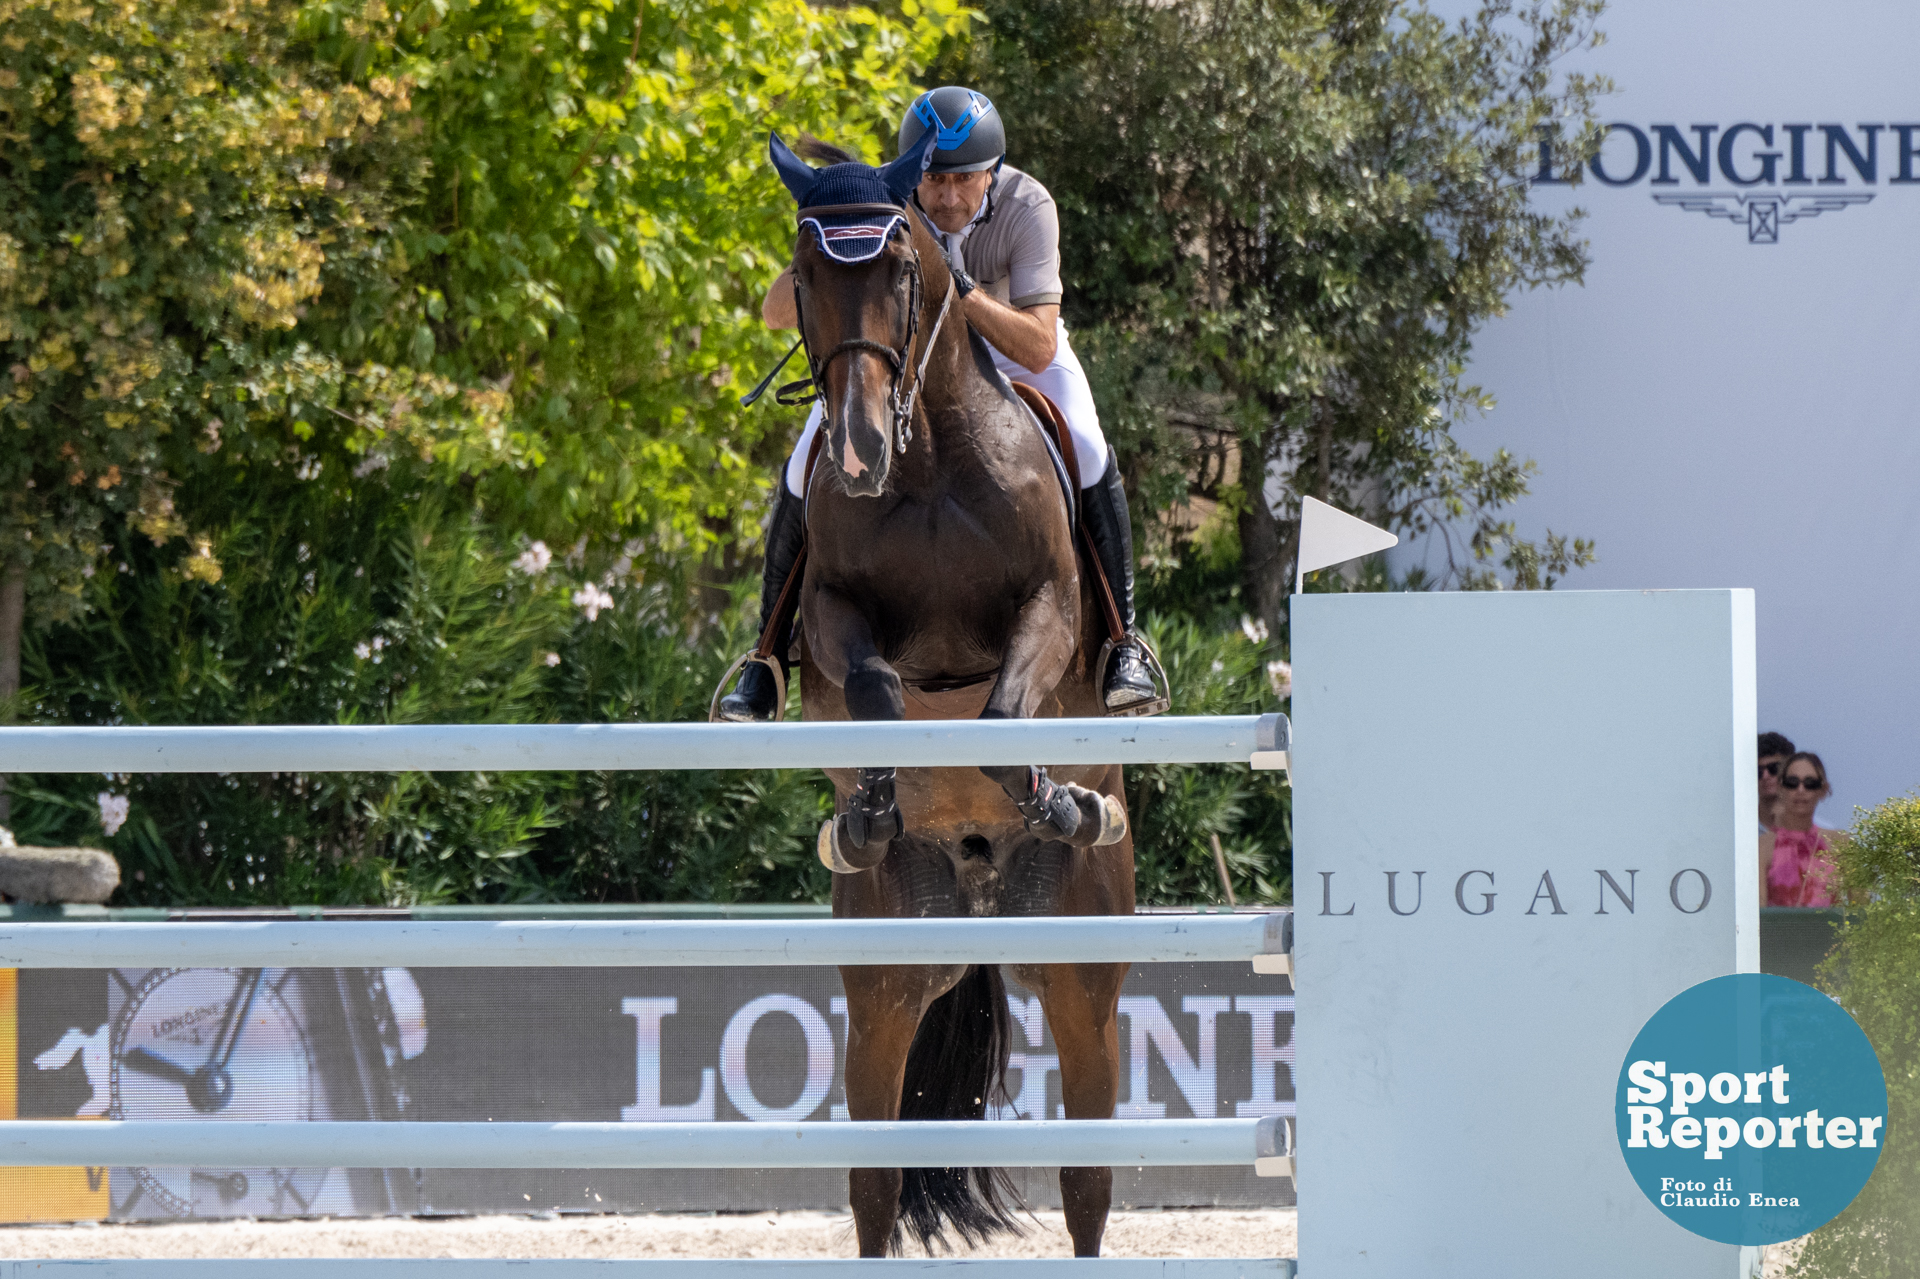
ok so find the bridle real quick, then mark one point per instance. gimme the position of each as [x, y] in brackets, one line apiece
[900, 395]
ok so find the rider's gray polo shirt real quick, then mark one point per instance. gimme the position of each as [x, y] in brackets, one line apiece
[1015, 252]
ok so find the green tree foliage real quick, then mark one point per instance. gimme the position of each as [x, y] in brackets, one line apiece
[509, 250]
[1871, 973]
[597, 227]
[1283, 222]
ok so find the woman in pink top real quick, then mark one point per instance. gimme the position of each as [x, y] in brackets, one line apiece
[1795, 856]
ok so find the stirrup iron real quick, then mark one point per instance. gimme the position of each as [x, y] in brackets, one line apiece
[774, 665]
[1150, 657]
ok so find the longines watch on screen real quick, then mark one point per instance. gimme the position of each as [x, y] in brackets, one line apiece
[250, 1044]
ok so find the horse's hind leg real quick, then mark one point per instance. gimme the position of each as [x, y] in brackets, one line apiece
[884, 1008]
[1037, 652]
[1081, 1002]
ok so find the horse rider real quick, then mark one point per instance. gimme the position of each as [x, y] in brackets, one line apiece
[1001, 234]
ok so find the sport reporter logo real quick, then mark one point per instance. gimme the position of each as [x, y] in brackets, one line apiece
[1751, 1109]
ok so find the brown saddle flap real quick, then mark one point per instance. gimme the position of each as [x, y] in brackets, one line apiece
[1055, 423]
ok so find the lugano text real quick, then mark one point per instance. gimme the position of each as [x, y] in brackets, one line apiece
[1689, 891]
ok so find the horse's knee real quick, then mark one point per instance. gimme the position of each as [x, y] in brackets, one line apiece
[873, 691]
[1011, 778]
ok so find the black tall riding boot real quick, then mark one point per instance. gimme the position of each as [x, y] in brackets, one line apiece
[756, 697]
[1103, 507]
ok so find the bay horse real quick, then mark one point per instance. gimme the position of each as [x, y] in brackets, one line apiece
[941, 581]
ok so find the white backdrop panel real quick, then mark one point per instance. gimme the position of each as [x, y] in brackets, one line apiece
[1715, 409]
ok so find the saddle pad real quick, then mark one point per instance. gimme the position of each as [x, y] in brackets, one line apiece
[1053, 430]
[854, 237]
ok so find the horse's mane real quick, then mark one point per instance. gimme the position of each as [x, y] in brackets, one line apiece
[812, 148]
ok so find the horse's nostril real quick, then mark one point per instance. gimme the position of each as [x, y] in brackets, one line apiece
[851, 462]
[975, 846]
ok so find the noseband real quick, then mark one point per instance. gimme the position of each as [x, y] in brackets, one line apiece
[899, 404]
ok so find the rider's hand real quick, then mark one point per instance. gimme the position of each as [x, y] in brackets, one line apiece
[963, 283]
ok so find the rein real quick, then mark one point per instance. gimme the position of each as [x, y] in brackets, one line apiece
[901, 405]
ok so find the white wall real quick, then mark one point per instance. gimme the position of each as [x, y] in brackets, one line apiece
[1716, 412]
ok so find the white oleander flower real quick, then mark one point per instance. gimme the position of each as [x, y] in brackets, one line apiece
[363, 650]
[592, 599]
[553, 659]
[1280, 675]
[534, 560]
[1253, 628]
[113, 810]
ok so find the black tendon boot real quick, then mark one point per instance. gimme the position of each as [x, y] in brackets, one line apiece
[756, 697]
[1103, 507]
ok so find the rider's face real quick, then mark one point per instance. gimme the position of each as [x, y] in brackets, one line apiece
[951, 199]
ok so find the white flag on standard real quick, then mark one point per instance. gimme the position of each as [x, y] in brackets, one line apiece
[1329, 536]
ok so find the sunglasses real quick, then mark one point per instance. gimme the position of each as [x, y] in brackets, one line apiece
[1809, 783]
[1770, 770]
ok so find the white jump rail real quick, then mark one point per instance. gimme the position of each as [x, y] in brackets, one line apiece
[404, 1268]
[1259, 740]
[1265, 939]
[1045, 1143]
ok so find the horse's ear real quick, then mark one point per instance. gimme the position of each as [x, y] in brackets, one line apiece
[902, 174]
[798, 175]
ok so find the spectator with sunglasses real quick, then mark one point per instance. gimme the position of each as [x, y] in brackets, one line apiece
[1774, 749]
[1795, 856]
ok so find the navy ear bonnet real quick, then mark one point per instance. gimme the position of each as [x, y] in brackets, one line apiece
[856, 236]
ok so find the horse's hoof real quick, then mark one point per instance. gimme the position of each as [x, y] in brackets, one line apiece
[1103, 820]
[1113, 822]
[838, 854]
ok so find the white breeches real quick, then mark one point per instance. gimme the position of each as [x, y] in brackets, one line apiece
[1064, 382]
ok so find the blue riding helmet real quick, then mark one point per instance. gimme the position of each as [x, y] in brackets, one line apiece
[971, 136]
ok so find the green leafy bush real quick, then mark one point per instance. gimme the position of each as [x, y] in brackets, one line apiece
[1178, 809]
[1875, 974]
[375, 603]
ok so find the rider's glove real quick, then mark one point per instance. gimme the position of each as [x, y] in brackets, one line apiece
[963, 283]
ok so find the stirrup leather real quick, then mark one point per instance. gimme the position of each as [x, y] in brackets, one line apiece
[773, 664]
[1150, 657]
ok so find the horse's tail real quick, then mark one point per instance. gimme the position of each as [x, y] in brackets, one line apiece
[957, 1065]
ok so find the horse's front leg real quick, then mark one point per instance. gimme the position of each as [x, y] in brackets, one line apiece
[1038, 649]
[842, 644]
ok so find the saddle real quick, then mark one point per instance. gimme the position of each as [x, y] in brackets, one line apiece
[775, 641]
